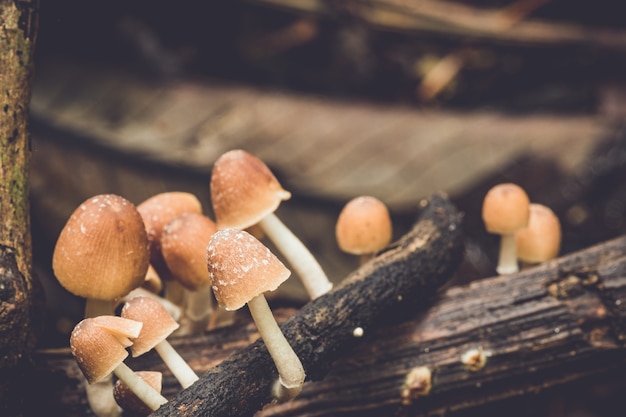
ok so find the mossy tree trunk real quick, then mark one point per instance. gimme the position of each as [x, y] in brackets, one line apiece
[17, 39]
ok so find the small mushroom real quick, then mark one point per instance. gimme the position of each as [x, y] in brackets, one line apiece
[127, 399]
[540, 241]
[183, 244]
[242, 269]
[99, 346]
[157, 326]
[506, 209]
[244, 192]
[363, 227]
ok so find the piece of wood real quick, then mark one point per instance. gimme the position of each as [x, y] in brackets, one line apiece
[399, 281]
[542, 327]
[17, 41]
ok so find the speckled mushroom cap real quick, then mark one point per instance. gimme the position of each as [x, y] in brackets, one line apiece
[506, 208]
[183, 244]
[158, 210]
[127, 399]
[243, 190]
[99, 344]
[158, 324]
[102, 252]
[541, 240]
[241, 268]
[363, 226]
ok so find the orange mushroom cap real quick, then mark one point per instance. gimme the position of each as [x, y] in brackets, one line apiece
[243, 190]
[506, 208]
[183, 244]
[126, 398]
[158, 324]
[242, 268]
[102, 252]
[540, 241]
[363, 226]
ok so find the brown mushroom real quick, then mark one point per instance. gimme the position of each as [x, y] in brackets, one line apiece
[183, 244]
[102, 252]
[540, 241]
[157, 211]
[244, 192]
[126, 398]
[363, 227]
[99, 347]
[506, 209]
[157, 326]
[242, 269]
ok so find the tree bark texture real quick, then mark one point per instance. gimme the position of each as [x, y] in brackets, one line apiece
[17, 41]
[542, 327]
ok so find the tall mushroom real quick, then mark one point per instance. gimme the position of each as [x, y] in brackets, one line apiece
[183, 246]
[157, 326]
[363, 227]
[99, 346]
[245, 192]
[101, 255]
[540, 241]
[506, 209]
[242, 269]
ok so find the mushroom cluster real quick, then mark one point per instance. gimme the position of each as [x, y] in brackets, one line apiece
[530, 232]
[164, 261]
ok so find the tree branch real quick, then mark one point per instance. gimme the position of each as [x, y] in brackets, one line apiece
[17, 40]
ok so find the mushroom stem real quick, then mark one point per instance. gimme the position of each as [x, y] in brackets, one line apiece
[95, 308]
[300, 258]
[180, 369]
[507, 262]
[141, 388]
[290, 369]
[100, 398]
[199, 304]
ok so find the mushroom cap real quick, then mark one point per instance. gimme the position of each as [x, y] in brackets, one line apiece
[126, 398]
[540, 241]
[243, 190]
[102, 252]
[506, 208]
[183, 244]
[99, 344]
[158, 324]
[158, 210]
[363, 226]
[241, 268]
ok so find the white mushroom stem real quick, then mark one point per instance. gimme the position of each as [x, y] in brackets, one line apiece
[141, 388]
[180, 369]
[299, 257]
[507, 262]
[100, 398]
[198, 308]
[290, 370]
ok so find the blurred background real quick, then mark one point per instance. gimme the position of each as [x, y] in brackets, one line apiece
[391, 98]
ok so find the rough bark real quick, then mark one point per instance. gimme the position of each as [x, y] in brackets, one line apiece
[542, 327]
[17, 40]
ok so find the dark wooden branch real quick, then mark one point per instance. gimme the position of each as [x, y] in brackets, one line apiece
[402, 277]
[17, 42]
[540, 328]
